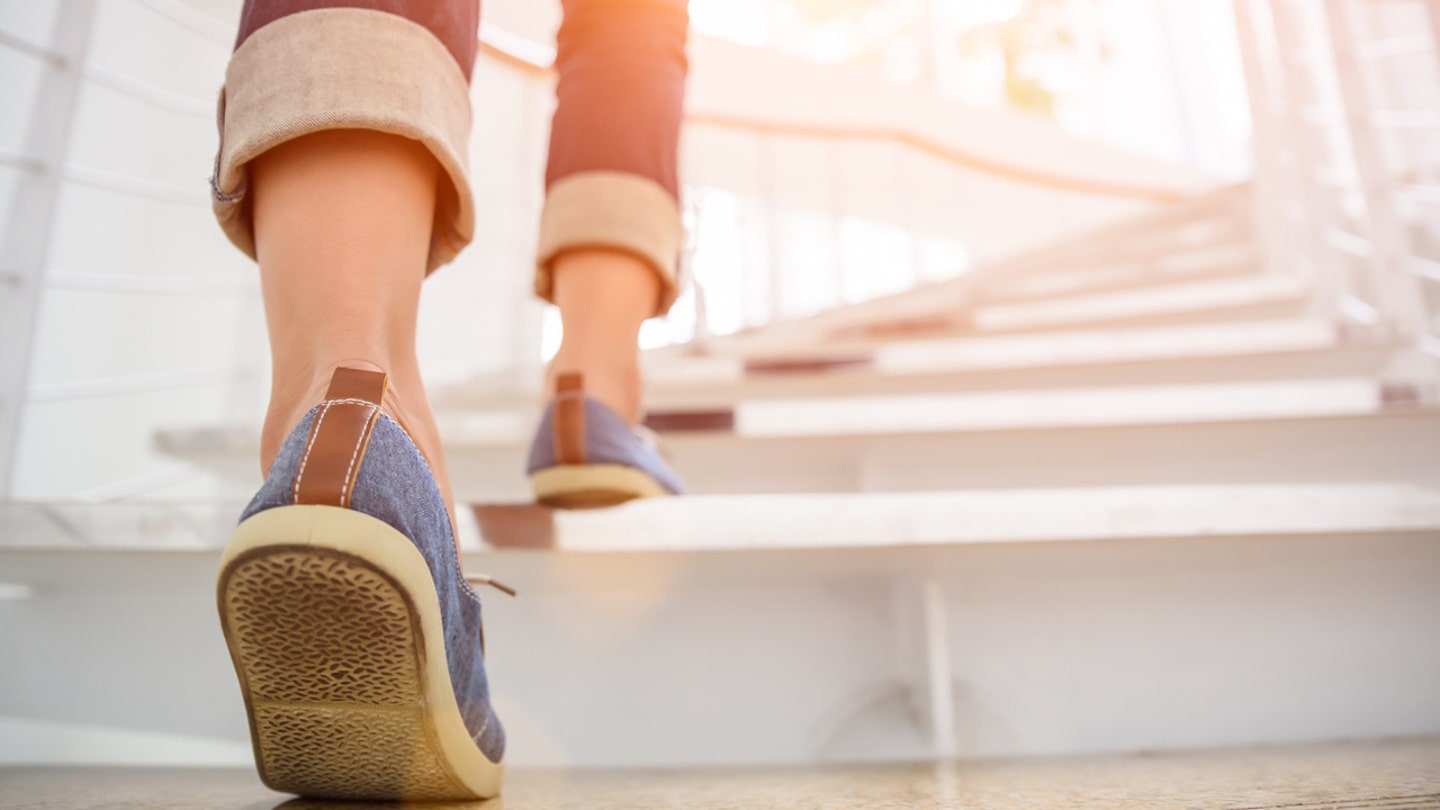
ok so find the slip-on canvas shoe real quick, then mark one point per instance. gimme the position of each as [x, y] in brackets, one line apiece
[585, 455]
[356, 639]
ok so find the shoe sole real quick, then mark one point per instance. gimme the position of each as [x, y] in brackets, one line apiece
[589, 486]
[334, 629]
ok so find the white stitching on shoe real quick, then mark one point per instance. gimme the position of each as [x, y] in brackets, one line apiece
[351, 401]
[475, 738]
[359, 442]
[314, 434]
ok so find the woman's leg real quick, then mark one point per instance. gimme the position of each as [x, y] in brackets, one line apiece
[344, 131]
[611, 232]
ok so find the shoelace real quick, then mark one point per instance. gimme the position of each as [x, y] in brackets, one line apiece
[482, 579]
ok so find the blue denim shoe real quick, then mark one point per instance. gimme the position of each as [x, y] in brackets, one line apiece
[356, 639]
[584, 455]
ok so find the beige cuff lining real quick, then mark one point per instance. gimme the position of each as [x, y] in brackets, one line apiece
[345, 68]
[616, 210]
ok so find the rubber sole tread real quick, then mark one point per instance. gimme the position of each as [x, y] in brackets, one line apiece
[330, 654]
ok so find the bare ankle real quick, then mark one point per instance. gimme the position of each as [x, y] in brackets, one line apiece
[618, 386]
[294, 390]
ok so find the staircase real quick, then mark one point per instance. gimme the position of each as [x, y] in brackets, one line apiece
[1168, 484]
[1042, 478]
[1159, 352]
[1138, 489]
[1124, 428]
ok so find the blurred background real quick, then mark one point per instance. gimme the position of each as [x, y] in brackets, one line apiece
[1054, 376]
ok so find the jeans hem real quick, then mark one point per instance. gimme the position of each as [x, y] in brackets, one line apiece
[345, 68]
[616, 210]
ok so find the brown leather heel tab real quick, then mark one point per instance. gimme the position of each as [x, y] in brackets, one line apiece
[569, 423]
[352, 383]
[568, 381]
[339, 437]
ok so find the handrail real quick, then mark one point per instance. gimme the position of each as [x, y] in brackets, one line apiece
[40, 52]
[516, 51]
[150, 285]
[144, 383]
[20, 162]
[943, 152]
[522, 54]
[151, 94]
[134, 186]
[197, 22]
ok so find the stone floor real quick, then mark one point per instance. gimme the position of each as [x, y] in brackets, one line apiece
[1394, 775]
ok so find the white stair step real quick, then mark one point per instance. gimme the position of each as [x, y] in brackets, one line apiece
[1080, 346]
[1213, 299]
[667, 401]
[850, 520]
[1054, 408]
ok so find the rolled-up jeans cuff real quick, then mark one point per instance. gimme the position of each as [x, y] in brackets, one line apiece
[345, 68]
[616, 210]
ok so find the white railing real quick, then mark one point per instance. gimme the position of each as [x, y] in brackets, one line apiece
[1345, 97]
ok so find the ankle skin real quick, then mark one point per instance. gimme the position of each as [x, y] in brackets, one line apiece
[604, 296]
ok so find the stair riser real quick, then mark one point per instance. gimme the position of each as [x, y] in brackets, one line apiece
[770, 657]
